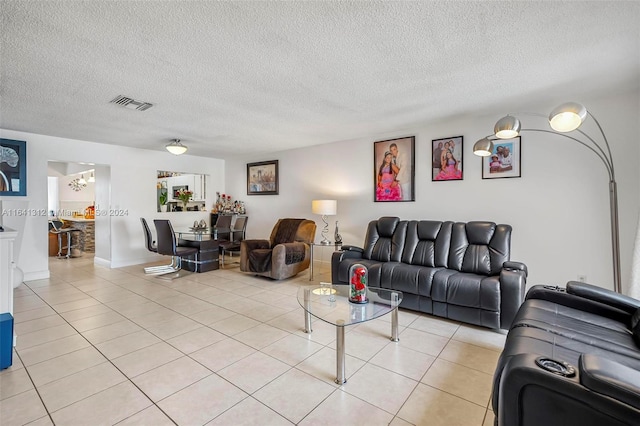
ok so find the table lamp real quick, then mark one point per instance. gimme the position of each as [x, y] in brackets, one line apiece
[324, 208]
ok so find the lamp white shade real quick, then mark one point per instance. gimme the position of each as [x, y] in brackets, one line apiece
[483, 148]
[324, 207]
[82, 180]
[92, 178]
[176, 148]
[567, 117]
[507, 127]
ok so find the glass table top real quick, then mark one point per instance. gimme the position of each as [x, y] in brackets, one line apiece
[331, 304]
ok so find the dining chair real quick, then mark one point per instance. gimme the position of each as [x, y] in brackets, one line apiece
[238, 232]
[151, 246]
[223, 227]
[168, 244]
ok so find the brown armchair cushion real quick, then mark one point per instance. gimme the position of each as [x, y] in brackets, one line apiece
[295, 253]
[260, 260]
[286, 232]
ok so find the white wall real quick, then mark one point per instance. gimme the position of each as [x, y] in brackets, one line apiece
[131, 175]
[559, 208]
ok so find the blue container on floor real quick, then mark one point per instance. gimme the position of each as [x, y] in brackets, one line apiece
[6, 340]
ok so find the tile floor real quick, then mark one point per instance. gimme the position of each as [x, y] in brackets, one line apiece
[113, 346]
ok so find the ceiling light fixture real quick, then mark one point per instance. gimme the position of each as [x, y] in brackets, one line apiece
[176, 148]
[91, 178]
[82, 180]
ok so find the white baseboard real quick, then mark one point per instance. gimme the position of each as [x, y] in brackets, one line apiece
[37, 275]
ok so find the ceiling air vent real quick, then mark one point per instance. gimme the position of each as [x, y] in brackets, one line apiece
[131, 103]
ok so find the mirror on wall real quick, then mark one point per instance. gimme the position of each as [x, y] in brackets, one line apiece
[179, 191]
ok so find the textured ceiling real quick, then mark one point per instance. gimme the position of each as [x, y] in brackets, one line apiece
[249, 77]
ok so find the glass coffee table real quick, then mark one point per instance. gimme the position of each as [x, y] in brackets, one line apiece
[331, 304]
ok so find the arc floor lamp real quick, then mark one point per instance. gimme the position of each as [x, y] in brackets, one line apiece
[563, 119]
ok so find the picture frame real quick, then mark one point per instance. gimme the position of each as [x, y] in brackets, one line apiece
[496, 166]
[262, 178]
[447, 159]
[394, 170]
[13, 167]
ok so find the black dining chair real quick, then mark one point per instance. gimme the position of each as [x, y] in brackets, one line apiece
[151, 246]
[237, 235]
[223, 227]
[168, 244]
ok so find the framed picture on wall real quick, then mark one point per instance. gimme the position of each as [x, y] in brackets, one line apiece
[262, 178]
[446, 159]
[13, 167]
[393, 169]
[504, 161]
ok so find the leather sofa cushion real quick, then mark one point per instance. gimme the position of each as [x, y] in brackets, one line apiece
[407, 278]
[427, 243]
[479, 247]
[579, 326]
[373, 267]
[385, 239]
[467, 290]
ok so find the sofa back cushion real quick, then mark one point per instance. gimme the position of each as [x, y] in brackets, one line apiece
[479, 247]
[635, 326]
[427, 243]
[384, 240]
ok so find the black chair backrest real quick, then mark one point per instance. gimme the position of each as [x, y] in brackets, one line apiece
[224, 221]
[239, 228]
[55, 225]
[166, 237]
[148, 239]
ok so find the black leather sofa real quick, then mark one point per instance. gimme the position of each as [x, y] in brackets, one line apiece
[457, 270]
[572, 357]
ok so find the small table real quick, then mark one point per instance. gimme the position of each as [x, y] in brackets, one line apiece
[336, 246]
[200, 234]
[331, 304]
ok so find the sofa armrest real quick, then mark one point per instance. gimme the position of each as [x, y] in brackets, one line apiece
[560, 296]
[526, 391]
[513, 281]
[602, 295]
[338, 256]
[254, 244]
[516, 266]
[289, 253]
[610, 378]
[352, 248]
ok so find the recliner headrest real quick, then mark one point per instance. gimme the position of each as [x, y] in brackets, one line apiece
[387, 225]
[480, 232]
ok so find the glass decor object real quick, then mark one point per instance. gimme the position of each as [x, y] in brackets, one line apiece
[358, 276]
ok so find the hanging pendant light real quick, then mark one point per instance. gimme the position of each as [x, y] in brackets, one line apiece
[176, 148]
[82, 180]
[91, 178]
[483, 148]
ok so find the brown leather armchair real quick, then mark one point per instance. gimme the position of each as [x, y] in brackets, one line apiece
[285, 254]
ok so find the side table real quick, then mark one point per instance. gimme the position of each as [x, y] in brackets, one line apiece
[336, 247]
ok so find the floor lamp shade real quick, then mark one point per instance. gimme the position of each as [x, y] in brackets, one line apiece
[324, 208]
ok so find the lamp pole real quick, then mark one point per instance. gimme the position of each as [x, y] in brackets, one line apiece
[484, 147]
[607, 160]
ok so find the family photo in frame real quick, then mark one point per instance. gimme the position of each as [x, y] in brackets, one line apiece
[504, 161]
[262, 178]
[446, 156]
[394, 172]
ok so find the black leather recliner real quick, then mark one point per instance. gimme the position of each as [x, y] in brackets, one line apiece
[572, 357]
